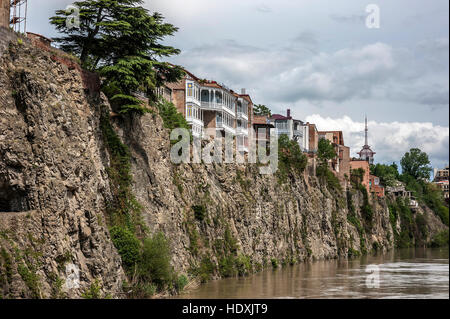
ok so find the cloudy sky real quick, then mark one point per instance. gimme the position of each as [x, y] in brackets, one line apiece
[319, 59]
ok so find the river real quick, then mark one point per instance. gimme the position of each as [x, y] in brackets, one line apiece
[406, 273]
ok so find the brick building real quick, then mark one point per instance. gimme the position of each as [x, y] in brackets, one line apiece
[313, 138]
[356, 164]
[375, 187]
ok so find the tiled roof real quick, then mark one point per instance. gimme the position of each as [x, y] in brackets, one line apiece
[280, 117]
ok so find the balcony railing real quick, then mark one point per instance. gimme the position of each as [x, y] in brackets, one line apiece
[224, 126]
[241, 131]
[215, 105]
[241, 114]
[193, 120]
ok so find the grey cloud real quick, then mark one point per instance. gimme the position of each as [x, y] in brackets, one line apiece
[352, 18]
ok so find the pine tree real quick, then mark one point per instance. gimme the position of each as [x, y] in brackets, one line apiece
[121, 40]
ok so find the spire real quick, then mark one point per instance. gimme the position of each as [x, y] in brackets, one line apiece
[366, 131]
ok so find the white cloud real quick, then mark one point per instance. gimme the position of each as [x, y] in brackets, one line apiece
[390, 140]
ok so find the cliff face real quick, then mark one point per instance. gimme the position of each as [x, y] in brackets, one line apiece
[54, 190]
[53, 181]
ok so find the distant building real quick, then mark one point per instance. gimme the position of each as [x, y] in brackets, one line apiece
[295, 129]
[441, 180]
[375, 186]
[313, 138]
[366, 153]
[262, 122]
[399, 191]
[441, 174]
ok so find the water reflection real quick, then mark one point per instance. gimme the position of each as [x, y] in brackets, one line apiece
[407, 273]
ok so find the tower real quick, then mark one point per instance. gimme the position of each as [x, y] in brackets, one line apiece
[366, 153]
[4, 13]
[18, 15]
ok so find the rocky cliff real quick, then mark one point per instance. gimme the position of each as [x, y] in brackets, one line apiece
[220, 219]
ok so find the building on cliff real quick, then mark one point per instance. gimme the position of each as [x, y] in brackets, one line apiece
[363, 164]
[375, 187]
[209, 104]
[294, 129]
[366, 152]
[441, 180]
[262, 122]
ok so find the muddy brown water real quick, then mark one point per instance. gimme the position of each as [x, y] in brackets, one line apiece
[406, 273]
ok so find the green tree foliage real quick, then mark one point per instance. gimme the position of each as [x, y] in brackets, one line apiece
[388, 174]
[325, 150]
[121, 40]
[290, 155]
[261, 110]
[155, 261]
[171, 117]
[127, 245]
[416, 164]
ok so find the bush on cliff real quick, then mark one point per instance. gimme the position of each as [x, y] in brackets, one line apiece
[290, 157]
[155, 261]
[127, 245]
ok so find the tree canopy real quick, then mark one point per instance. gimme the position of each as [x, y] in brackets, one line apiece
[121, 40]
[325, 150]
[261, 110]
[388, 174]
[416, 164]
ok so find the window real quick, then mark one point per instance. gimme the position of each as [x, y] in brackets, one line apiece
[189, 111]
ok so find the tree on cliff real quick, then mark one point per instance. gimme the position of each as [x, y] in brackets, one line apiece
[121, 40]
[416, 164]
[325, 151]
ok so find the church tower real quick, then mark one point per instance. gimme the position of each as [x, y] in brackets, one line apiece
[366, 153]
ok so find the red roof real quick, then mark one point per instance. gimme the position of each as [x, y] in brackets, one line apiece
[280, 117]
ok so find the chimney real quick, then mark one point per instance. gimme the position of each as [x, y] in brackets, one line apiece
[288, 112]
[243, 92]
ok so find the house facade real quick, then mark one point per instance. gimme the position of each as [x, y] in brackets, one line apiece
[295, 129]
[211, 105]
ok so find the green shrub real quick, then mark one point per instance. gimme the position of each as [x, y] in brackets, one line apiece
[290, 157]
[243, 265]
[171, 117]
[155, 261]
[324, 174]
[181, 282]
[440, 239]
[93, 292]
[199, 212]
[127, 245]
[226, 266]
[274, 263]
